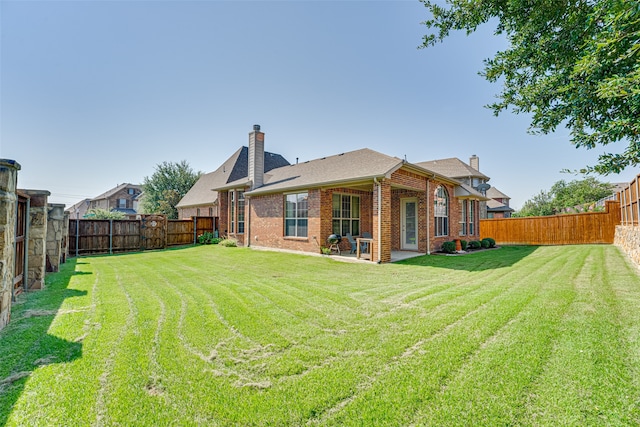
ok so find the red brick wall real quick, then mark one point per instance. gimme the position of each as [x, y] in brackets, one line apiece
[267, 223]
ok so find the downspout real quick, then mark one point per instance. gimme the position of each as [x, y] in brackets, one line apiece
[428, 222]
[375, 180]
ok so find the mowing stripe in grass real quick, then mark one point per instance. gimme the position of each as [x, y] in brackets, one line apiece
[229, 336]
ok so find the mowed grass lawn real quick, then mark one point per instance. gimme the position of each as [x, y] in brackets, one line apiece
[234, 337]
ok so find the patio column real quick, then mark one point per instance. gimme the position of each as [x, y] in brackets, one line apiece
[382, 221]
[37, 239]
[8, 199]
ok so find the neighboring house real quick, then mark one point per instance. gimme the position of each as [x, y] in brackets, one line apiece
[137, 202]
[468, 174]
[120, 198]
[404, 206]
[498, 206]
[201, 200]
[79, 210]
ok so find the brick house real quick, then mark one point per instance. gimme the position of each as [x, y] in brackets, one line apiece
[403, 205]
[498, 204]
[201, 200]
[468, 174]
[120, 199]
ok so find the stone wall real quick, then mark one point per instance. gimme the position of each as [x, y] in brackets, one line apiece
[38, 213]
[627, 238]
[8, 199]
[55, 235]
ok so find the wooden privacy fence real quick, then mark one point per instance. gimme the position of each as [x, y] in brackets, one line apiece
[628, 197]
[572, 229]
[98, 236]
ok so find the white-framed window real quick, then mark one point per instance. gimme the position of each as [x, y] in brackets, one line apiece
[236, 211]
[232, 211]
[346, 214]
[472, 215]
[463, 217]
[441, 211]
[240, 212]
[296, 214]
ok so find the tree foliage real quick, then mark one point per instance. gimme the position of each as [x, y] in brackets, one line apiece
[566, 197]
[575, 63]
[168, 184]
[104, 214]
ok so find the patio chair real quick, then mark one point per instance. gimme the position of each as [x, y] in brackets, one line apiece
[352, 242]
[364, 246]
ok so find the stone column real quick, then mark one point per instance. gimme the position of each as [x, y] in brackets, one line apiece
[8, 199]
[55, 234]
[65, 239]
[37, 239]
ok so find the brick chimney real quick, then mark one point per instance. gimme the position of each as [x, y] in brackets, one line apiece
[474, 162]
[256, 157]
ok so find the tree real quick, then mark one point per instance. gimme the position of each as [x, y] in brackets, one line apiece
[104, 214]
[168, 184]
[540, 205]
[578, 193]
[565, 197]
[575, 63]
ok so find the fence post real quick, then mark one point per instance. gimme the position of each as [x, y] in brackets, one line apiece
[77, 231]
[638, 200]
[195, 229]
[110, 236]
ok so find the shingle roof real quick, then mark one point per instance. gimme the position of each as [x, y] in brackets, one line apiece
[233, 170]
[494, 193]
[452, 168]
[352, 166]
[114, 190]
[496, 206]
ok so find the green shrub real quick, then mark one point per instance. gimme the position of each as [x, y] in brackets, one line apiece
[492, 243]
[325, 251]
[449, 247]
[215, 240]
[484, 243]
[474, 244]
[206, 238]
[229, 243]
[464, 244]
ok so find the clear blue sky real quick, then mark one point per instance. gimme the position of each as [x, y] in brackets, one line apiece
[96, 93]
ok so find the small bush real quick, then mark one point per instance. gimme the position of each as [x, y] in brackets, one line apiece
[215, 240]
[206, 238]
[325, 250]
[474, 244]
[464, 244]
[492, 243]
[484, 243]
[229, 243]
[449, 247]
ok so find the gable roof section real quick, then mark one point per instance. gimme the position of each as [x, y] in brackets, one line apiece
[494, 193]
[114, 190]
[233, 171]
[452, 168]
